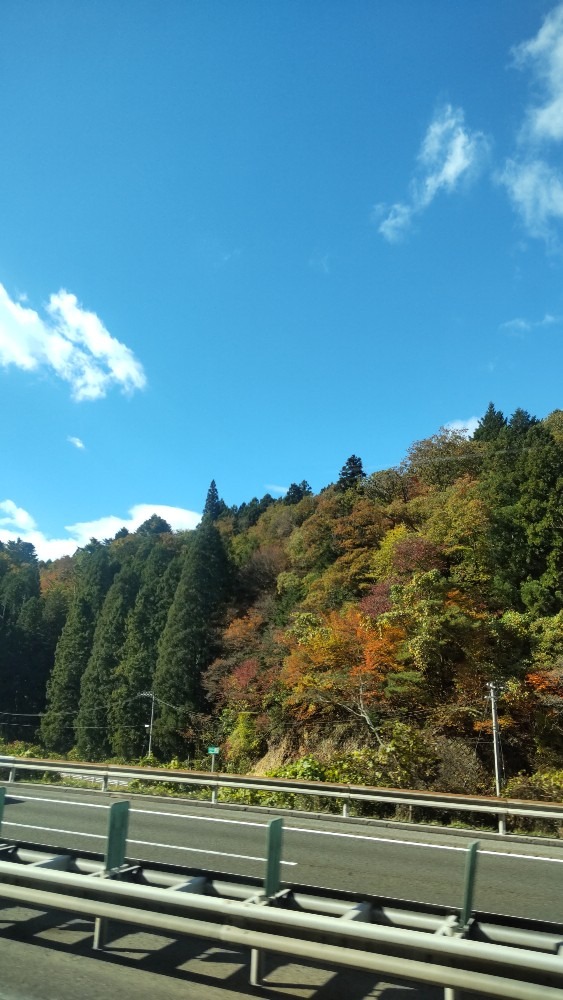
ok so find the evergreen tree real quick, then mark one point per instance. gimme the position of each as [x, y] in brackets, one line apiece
[155, 525]
[214, 506]
[249, 513]
[32, 667]
[490, 425]
[96, 686]
[297, 491]
[189, 640]
[21, 553]
[19, 584]
[128, 711]
[523, 485]
[55, 611]
[94, 573]
[63, 688]
[520, 422]
[351, 474]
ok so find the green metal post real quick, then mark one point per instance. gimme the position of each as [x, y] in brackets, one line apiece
[116, 847]
[469, 885]
[118, 824]
[273, 863]
[271, 888]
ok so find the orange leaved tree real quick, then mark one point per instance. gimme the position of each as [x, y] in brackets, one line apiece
[341, 660]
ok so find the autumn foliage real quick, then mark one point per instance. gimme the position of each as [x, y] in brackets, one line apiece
[371, 615]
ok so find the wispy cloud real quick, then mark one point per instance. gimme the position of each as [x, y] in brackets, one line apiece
[272, 487]
[69, 341]
[15, 522]
[467, 427]
[544, 53]
[451, 153]
[534, 184]
[77, 442]
[226, 256]
[320, 262]
[520, 326]
[536, 191]
[396, 222]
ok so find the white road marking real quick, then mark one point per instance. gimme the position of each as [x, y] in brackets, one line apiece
[60, 802]
[222, 854]
[420, 843]
[148, 843]
[52, 829]
[289, 829]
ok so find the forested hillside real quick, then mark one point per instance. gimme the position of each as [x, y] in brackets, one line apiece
[355, 630]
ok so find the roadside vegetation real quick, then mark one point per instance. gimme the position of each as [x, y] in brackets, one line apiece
[348, 636]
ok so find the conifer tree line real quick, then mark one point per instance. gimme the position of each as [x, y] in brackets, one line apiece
[366, 619]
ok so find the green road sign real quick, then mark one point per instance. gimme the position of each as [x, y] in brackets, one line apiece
[213, 750]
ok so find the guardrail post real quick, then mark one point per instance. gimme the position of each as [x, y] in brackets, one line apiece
[345, 807]
[458, 928]
[469, 885]
[273, 863]
[116, 847]
[271, 888]
[256, 966]
[118, 824]
[2, 800]
[464, 919]
[214, 795]
[12, 775]
[104, 782]
[502, 823]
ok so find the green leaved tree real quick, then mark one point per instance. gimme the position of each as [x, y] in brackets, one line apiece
[94, 573]
[190, 638]
[129, 709]
[97, 682]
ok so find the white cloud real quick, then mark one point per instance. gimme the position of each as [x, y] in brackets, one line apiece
[69, 341]
[450, 153]
[276, 489]
[16, 517]
[467, 427]
[544, 54]
[397, 221]
[536, 190]
[18, 523]
[105, 527]
[77, 442]
[533, 183]
[519, 326]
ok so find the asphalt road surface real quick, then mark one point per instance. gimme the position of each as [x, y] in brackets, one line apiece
[513, 878]
[40, 961]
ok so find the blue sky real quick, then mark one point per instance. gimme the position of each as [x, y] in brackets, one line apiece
[244, 239]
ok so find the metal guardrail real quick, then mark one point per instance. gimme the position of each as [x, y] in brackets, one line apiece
[106, 774]
[455, 950]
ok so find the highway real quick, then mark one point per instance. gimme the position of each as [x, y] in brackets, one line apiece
[41, 961]
[513, 878]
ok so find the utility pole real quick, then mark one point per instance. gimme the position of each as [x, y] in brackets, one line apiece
[496, 748]
[149, 694]
[152, 720]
